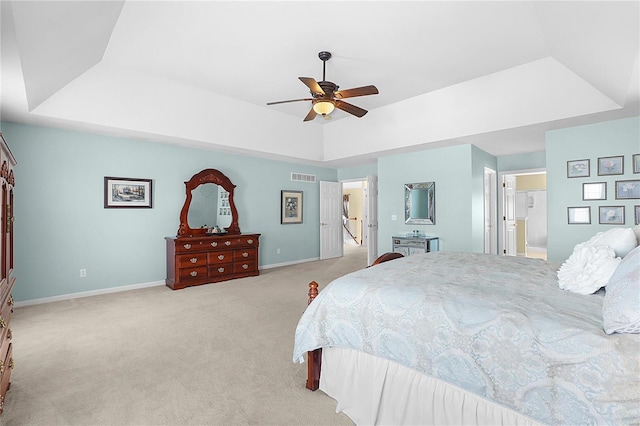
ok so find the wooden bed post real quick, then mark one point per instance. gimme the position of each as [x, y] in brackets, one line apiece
[314, 358]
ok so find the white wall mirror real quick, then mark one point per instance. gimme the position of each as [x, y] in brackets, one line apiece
[419, 203]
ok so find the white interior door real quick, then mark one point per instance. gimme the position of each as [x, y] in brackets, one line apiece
[371, 218]
[509, 214]
[331, 244]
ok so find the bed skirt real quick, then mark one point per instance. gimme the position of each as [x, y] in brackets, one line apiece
[375, 391]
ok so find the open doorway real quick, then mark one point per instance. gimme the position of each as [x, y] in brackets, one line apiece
[353, 208]
[524, 213]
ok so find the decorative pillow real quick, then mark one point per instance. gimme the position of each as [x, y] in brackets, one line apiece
[621, 240]
[588, 269]
[621, 308]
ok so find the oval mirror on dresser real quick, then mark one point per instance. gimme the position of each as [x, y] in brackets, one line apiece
[209, 246]
[209, 197]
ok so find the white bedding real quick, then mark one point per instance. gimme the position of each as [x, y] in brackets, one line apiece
[376, 391]
[498, 327]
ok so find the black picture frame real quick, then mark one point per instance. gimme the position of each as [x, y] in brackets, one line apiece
[290, 207]
[611, 215]
[608, 166]
[578, 168]
[127, 193]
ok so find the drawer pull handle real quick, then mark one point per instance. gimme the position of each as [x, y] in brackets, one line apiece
[194, 273]
[245, 254]
[245, 266]
[193, 260]
[10, 301]
[227, 243]
[221, 270]
[214, 244]
[9, 334]
[221, 256]
[187, 246]
[250, 241]
[11, 363]
[2, 323]
[1, 367]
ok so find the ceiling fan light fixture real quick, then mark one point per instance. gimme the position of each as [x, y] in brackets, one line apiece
[323, 107]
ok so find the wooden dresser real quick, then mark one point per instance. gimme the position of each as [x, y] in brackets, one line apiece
[202, 259]
[7, 280]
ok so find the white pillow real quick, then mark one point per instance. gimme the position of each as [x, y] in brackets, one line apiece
[621, 240]
[588, 269]
[621, 307]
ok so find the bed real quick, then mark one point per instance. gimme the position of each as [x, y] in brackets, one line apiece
[465, 338]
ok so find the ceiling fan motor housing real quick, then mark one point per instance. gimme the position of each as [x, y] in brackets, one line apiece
[328, 87]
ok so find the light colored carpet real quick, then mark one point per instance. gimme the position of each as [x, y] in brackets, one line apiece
[218, 354]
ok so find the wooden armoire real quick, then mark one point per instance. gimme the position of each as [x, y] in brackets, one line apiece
[7, 280]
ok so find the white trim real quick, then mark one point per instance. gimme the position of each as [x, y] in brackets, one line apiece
[71, 296]
[87, 293]
[294, 262]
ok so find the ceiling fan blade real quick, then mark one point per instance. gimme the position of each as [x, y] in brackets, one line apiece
[351, 109]
[312, 84]
[312, 114]
[358, 91]
[292, 100]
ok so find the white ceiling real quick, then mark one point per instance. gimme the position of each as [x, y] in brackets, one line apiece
[495, 74]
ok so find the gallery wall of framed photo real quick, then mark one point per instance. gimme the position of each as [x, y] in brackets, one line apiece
[606, 190]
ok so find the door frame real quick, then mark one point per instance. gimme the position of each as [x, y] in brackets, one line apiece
[501, 179]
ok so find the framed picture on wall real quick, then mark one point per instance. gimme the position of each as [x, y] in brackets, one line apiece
[636, 163]
[290, 207]
[627, 189]
[578, 215]
[636, 209]
[611, 215]
[594, 191]
[578, 168]
[127, 193]
[611, 165]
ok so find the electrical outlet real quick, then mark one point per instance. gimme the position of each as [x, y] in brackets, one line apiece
[277, 251]
[83, 273]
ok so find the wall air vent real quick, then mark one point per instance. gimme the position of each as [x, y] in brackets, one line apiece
[301, 177]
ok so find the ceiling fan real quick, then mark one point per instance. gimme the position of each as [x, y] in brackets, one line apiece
[325, 95]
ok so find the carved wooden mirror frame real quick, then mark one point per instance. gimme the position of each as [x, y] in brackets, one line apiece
[207, 176]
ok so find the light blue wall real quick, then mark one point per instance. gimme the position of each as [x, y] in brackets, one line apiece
[613, 138]
[458, 174]
[358, 172]
[533, 160]
[61, 224]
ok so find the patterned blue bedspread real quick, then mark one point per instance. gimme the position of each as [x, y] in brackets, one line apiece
[497, 326]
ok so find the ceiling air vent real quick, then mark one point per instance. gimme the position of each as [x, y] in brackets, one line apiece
[301, 177]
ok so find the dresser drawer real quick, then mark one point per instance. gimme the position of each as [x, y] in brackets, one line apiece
[5, 335]
[193, 274]
[223, 243]
[245, 266]
[240, 255]
[216, 257]
[190, 246]
[249, 241]
[191, 260]
[5, 376]
[220, 270]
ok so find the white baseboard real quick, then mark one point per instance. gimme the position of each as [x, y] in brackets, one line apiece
[295, 262]
[87, 293]
[130, 287]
